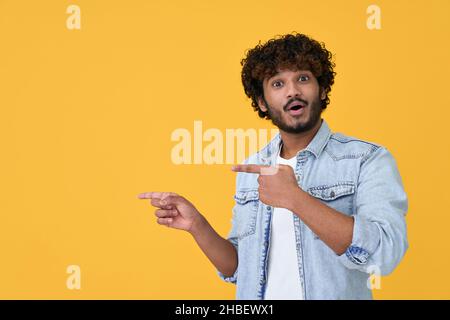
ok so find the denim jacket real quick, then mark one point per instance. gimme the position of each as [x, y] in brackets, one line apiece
[355, 177]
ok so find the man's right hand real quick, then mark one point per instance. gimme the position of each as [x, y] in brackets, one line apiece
[174, 210]
[177, 212]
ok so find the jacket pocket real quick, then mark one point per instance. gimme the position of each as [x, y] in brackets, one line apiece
[245, 212]
[338, 196]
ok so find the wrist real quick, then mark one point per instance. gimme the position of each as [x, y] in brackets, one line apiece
[198, 225]
[293, 200]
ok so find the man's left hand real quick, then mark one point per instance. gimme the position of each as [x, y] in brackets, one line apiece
[277, 184]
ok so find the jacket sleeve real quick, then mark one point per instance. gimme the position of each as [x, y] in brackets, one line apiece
[379, 233]
[233, 238]
[233, 278]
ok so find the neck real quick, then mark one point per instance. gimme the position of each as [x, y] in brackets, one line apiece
[294, 142]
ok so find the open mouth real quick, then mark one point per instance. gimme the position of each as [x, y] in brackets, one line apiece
[295, 109]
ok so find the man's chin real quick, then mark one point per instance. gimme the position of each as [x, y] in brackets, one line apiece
[294, 129]
[299, 127]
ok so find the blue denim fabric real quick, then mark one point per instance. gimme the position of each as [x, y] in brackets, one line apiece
[355, 177]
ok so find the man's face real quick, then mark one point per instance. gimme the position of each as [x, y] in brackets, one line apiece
[287, 89]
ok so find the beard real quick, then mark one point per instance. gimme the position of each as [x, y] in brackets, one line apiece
[300, 125]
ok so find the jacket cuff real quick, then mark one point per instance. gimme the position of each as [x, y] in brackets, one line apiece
[366, 238]
[231, 279]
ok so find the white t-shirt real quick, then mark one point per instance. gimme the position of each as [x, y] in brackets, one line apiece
[283, 278]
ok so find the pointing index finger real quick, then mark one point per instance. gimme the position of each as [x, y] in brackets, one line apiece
[249, 168]
[155, 195]
[150, 195]
[255, 168]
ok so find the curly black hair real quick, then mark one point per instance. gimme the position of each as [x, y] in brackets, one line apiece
[292, 51]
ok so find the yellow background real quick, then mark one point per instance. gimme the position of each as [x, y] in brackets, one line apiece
[86, 118]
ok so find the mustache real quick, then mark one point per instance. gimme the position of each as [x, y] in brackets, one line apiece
[295, 99]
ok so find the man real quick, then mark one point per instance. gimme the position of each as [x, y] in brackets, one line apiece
[316, 212]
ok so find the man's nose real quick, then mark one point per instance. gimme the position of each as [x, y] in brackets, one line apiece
[293, 90]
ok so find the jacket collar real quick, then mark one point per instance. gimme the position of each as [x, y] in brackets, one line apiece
[316, 146]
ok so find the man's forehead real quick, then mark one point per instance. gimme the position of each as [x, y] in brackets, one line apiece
[287, 70]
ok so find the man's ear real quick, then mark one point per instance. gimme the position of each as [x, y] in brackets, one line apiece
[323, 94]
[261, 104]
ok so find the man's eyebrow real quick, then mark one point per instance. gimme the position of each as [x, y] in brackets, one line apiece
[299, 71]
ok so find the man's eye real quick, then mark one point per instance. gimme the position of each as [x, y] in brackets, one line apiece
[304, 78]
[276, 84]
